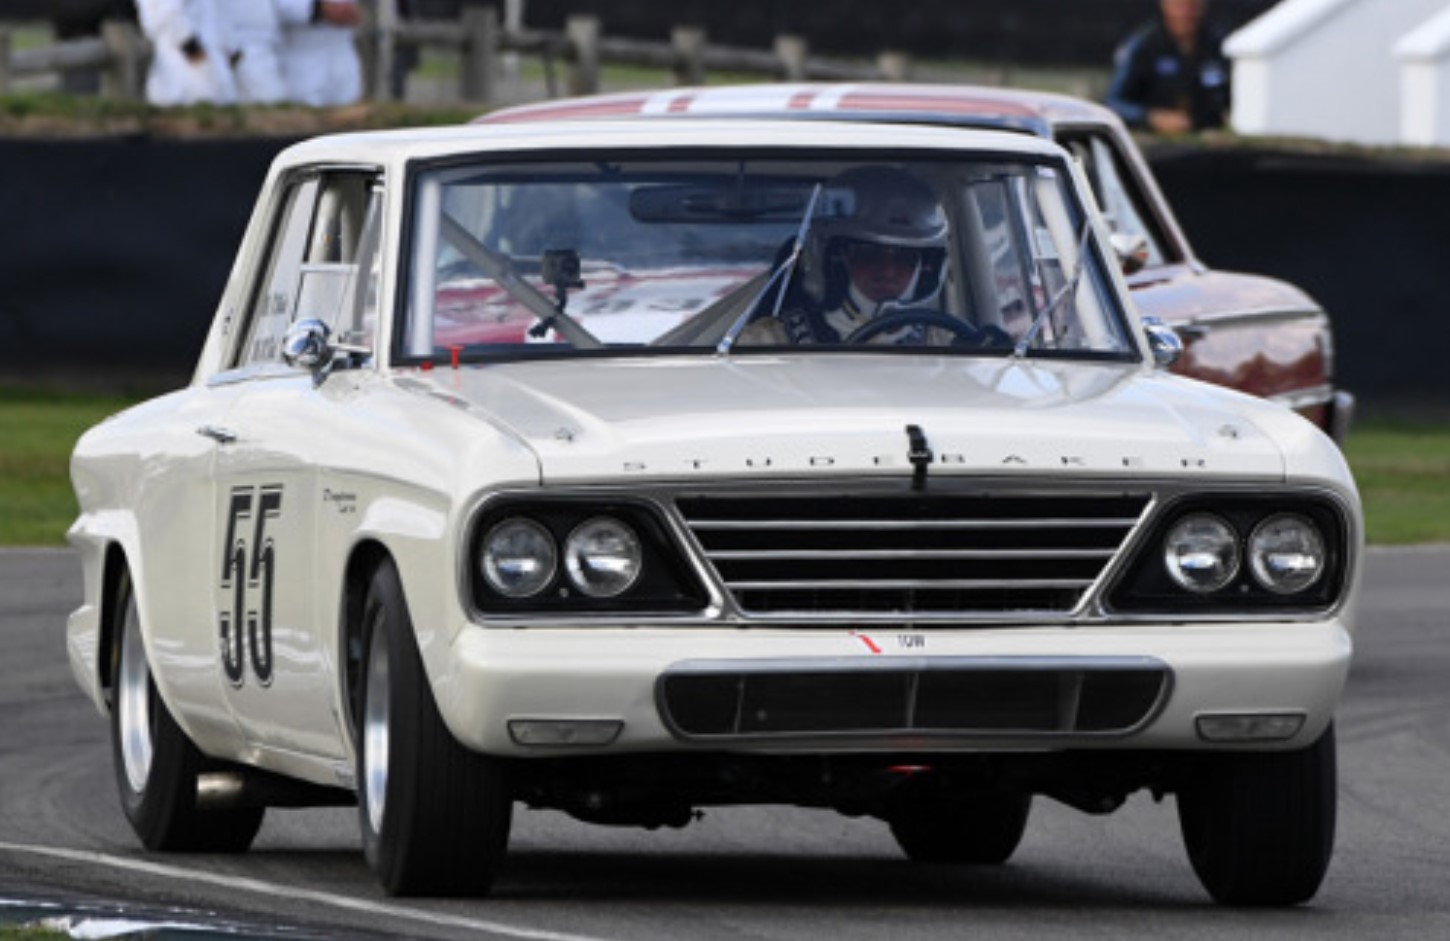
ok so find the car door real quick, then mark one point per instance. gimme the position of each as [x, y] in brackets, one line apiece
[276, 649]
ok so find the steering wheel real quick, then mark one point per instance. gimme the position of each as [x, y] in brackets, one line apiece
[963, 332]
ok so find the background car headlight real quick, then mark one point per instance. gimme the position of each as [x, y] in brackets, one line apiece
[1201, 553]
[1286, 553]
[518, 558]
[603, 557]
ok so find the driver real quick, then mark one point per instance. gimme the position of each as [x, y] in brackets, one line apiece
[877, 243]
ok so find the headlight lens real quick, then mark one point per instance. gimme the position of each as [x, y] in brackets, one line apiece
[519, 558]
[1286, 554]
[603, 557]
[1201, 553]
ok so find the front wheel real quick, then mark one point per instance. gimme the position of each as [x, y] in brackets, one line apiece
[435, 816]
[981, 830]
[1259, 827]
[156, 765]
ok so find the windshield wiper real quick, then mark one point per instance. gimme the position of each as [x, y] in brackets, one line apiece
[1067, 291]
[782, 273]
[501, 269]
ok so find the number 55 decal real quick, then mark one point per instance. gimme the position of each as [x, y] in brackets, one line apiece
[247, 572]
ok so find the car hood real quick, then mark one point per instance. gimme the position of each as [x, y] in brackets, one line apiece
[799, 416]
[1178, 293]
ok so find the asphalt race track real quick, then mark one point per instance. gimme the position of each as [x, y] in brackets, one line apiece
[750, 873]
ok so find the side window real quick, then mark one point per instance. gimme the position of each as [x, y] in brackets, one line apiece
[321, 265]
[1117, 193]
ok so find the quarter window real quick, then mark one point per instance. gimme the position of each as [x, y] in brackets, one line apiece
[322, 265]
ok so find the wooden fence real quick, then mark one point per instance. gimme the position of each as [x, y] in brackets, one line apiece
[581, 48]
[120, 55]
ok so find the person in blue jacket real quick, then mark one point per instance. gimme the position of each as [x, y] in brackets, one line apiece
[1171, 75]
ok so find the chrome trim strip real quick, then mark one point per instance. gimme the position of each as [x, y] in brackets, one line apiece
[887, 584]
[1254, 316]
[900, 525]
[1025, 662]
[252, 372]
[1092, 599]
[1305, 398]
[847, 554]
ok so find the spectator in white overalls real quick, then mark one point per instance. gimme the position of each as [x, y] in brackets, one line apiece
[319, 57]
[189, 63]
[255, 45]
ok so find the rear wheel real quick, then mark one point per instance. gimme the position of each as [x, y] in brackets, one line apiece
[434, 816]
[1259, 827]
[983, 829]
[156, 765]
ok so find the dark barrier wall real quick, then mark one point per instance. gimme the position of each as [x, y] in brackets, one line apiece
[1367, 237]
[991, 31]
[113, 253]
[1083, 32]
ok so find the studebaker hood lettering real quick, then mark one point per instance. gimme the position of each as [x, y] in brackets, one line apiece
[786, 416]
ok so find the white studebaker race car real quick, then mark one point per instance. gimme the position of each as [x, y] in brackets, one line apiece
[632, 468]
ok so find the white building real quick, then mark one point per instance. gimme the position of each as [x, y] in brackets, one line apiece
[1329, 68]
[1424, 58]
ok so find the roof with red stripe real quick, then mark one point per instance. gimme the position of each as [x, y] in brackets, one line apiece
[1030, 108]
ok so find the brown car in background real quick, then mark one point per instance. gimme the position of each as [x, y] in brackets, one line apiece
[1248, 332]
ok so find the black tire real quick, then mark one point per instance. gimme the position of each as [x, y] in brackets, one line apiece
[1259, 827]
[156, 765]
[434, 816]
[982, 830]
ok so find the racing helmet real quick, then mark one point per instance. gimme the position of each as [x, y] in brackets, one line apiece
[874, 206]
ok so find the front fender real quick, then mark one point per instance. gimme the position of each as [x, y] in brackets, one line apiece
[100, 539]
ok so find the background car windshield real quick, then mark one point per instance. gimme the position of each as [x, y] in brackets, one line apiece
[971, 257]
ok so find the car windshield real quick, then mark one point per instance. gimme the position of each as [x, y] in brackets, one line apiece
[739, 254]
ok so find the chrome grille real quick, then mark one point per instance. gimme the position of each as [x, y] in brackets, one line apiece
[907, 554]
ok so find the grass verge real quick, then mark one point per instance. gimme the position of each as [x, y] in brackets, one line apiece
[30, 933]
[1402, 469]
[37, 432]
[1401, 466]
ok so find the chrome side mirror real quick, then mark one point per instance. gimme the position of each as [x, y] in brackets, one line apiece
[1132, 251]
[1163, 341]
[307, 345]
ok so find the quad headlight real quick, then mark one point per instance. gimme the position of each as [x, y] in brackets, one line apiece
[518, 557]
[1201, 553]
[1238, 553]
[603, 557]
[1286, 553]
[578, 554]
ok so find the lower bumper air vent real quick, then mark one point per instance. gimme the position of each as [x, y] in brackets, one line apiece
[962, 697]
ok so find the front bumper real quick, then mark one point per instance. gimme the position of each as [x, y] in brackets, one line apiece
[612, 675]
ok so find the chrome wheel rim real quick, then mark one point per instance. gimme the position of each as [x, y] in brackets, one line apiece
[375, 726]
[133, 700]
